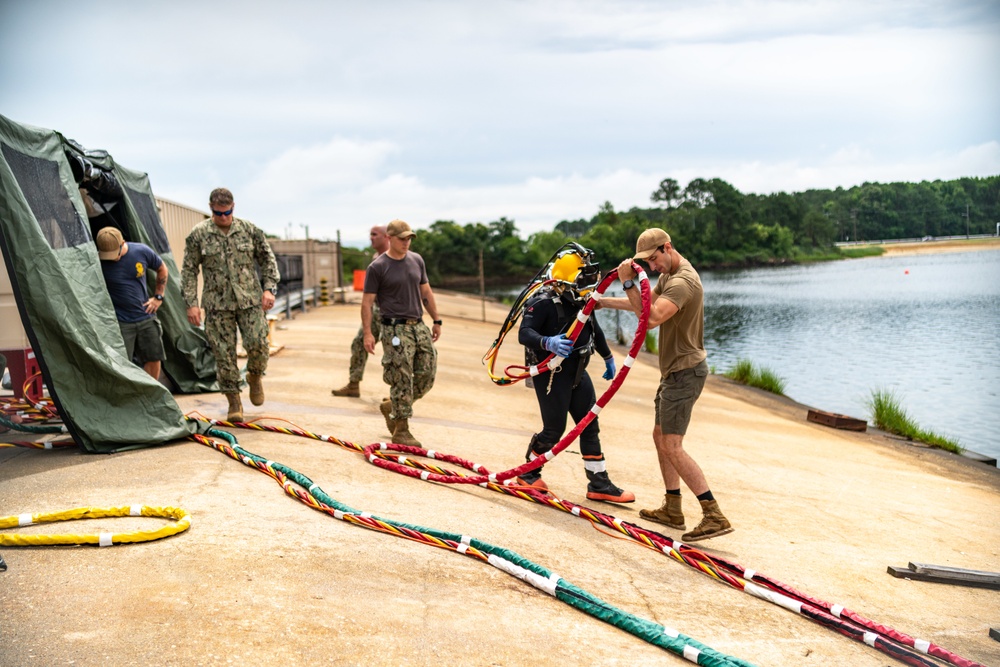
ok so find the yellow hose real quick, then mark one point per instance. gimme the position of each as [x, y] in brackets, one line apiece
[180, 516]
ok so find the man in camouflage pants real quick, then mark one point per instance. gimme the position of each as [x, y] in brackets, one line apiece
[397, 279]
[226, 249]
[359, 355]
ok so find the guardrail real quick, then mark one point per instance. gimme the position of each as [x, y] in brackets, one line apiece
[296, 299]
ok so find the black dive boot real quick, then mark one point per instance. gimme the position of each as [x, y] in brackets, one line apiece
[600, 488]
[533, 478]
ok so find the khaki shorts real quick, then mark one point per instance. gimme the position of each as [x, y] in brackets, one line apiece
[143, 340]
[676, 396]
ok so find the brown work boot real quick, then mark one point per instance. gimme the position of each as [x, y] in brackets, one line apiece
[669, 514]
[235, 408]
[256, 388]
[402, 435]
[713, 524]
[386, 409]
[351, 389]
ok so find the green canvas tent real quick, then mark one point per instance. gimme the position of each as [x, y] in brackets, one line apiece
[129, 205]
[53, 196]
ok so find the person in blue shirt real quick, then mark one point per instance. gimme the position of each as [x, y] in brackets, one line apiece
[125, 267]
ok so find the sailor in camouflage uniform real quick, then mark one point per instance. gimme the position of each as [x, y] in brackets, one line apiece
[226, 250]
[397, 279]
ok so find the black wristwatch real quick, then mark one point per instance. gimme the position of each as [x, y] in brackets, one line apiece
[628, 284]
[158, 297]
[438, 322]
[272, 290]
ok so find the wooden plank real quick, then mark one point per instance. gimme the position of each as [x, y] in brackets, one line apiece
[944, 570]
[834, 420]
[907, 573]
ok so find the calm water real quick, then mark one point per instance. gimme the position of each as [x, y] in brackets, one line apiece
[925, 326]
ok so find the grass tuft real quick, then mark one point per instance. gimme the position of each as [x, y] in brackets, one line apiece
[745, 372]
[888, 414]
[742, 372]
[770, 381]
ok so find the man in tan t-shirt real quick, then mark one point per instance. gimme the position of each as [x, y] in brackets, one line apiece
[678, 309]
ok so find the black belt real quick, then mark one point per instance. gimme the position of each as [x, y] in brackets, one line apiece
[393, 321]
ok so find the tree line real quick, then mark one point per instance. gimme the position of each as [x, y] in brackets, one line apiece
[715, 225]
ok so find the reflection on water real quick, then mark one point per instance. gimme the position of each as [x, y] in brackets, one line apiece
[925, 326]
[723, 323]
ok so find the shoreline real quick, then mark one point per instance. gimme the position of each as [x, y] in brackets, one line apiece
[932, 247]
[790, 408]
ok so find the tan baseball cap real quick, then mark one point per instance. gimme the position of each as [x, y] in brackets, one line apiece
[649, 241]
[400, 229]
[109, 242]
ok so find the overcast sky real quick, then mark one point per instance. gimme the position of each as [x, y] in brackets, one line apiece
[340, 115]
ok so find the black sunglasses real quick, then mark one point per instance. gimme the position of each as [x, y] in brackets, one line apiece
[222, 214]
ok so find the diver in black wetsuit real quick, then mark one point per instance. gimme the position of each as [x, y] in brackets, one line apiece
[568, 389]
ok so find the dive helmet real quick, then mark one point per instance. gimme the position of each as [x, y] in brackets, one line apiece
[575, 268]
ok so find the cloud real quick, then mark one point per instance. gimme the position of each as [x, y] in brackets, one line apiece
[346, 204]
[323, 170]
[842, 167]
[343, 115]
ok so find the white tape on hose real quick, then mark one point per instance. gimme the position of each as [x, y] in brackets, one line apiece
[773, 596]
[539, 582]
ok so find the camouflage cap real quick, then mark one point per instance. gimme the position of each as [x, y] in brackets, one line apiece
[400, 229]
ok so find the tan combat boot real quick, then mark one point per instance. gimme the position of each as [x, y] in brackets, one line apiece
[235, 408]
[351, 389]
[256, 388]
[402, 435]
[713, 524]
[669, 514]
[386, 409]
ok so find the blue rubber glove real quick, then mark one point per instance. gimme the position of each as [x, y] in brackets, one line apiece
[609, 363]
[558, 345]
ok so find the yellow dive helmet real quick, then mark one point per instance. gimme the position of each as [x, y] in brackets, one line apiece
[575, 269]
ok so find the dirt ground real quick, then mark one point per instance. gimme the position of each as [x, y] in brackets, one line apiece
[261, 579]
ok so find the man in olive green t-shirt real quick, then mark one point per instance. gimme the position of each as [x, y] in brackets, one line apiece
[678, 309]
